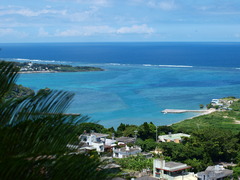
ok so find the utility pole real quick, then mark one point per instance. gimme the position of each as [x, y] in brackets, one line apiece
[135, 135]
[156, 134]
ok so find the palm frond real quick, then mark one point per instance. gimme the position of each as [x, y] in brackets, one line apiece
[8, 75]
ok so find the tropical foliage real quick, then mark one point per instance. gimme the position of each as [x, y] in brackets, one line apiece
[137, 163]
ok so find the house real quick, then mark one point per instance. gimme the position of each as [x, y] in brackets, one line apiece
[216, 102]
[126, 151]
[93, 141]
[171, 170]
[125, 140]
[177, 138]
[111, 168]
[109, 144]
[214, 173]
[147, 155]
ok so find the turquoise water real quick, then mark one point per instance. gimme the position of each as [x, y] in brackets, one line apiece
[138, 82]
[134, 94]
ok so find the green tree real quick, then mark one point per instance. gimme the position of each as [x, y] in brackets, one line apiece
[120, 129]
[147, 131]
[129, 131]
[90, 126]
[137, 163]
[165, 129]
[147, 145]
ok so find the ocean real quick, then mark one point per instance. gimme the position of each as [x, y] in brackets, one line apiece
[140, 79]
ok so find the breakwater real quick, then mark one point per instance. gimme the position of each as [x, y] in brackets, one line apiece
[183, 111]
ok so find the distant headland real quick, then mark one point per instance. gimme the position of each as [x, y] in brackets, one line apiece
[29, 67]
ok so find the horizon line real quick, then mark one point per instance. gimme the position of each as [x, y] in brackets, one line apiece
[122, 42]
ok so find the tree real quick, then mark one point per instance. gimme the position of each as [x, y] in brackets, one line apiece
[137, 163]
[209, 106]
[147, 145]
[147, 131]
[34, 132]
[89, 126]
[120, 129]
[165, 129]
[129, 131]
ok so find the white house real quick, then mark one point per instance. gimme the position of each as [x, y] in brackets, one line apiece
[173, 137]
[126, 151]
[171, 170]
[214, 173]
[125, 140]
[216, 102]
[93, 141]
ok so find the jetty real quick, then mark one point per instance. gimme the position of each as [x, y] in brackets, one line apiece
[183, 111]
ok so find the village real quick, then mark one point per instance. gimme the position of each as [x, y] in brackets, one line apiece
[118, 148]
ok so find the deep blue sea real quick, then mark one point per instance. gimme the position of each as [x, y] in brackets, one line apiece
[140, 79]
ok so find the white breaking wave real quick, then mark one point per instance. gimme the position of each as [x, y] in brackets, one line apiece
[145, 65]
[114, 64]
[33, 60]
[178, 66]
[181, 66]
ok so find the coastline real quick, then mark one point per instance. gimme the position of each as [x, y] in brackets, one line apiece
[33, 72]
[30, 68]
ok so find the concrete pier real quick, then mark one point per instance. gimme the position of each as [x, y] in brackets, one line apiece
[183, 111]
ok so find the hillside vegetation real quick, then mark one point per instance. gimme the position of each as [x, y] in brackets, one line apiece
[18, 91]
[227, 120]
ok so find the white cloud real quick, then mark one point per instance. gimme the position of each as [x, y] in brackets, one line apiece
[5, 31]
[166, 5]
[68, 33]
[90, 2]
[31, 13]
[139, 29]
[204, 8]
[83, 16]
[237, 35]
[42, 32]
[97, 2]
[12, 32]
[92, 30]
[85, 31]
[225, 13]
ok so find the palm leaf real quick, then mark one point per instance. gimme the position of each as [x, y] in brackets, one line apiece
[9, 73]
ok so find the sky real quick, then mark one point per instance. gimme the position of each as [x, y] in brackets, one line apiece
[119, 21]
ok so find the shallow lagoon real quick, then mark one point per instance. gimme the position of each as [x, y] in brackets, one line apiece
[134, 94]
